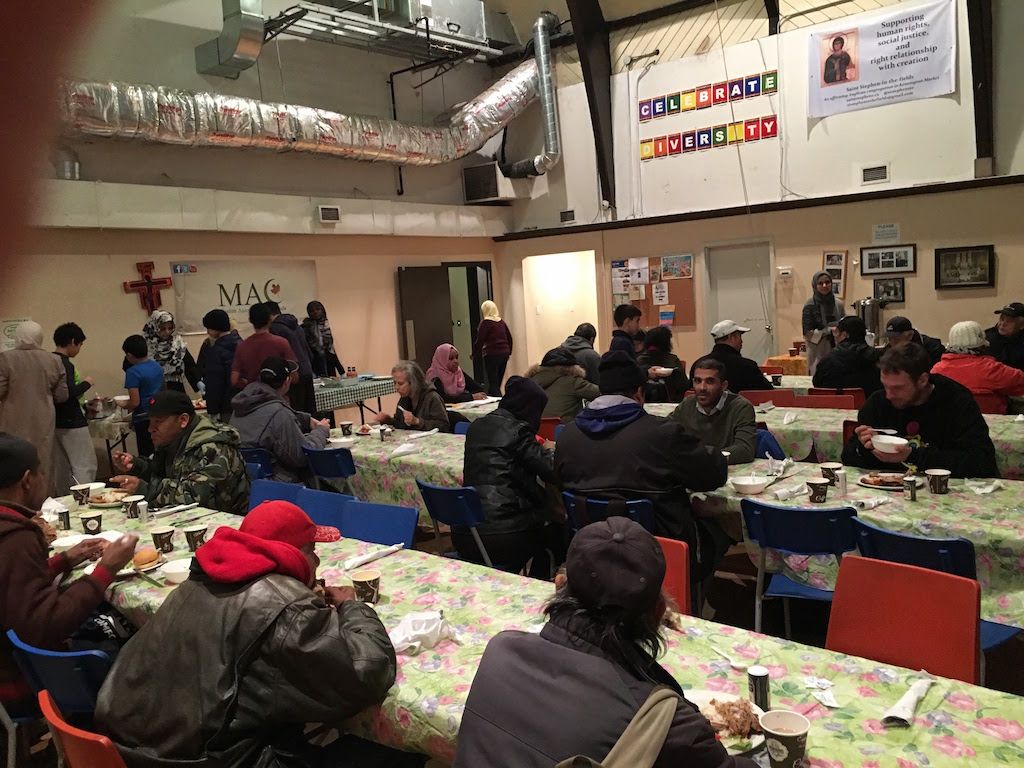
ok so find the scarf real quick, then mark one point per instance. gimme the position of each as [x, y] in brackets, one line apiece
[452, 382]
[826, 304]
[169, 353]
[28, 335]
[490, 311]
[321, 328]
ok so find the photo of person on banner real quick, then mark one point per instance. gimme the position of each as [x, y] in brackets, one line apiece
[839, 58]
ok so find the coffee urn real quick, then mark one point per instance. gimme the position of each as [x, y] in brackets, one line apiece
[870, 311]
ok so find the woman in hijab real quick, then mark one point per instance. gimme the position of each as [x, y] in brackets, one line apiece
[451, 382]
[167, 348]
[504, 462]
[821, 313]
[31, 381]
[321, 340]
[494, 342]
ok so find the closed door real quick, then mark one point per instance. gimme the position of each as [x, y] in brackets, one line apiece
[740, 289]
[425, 303]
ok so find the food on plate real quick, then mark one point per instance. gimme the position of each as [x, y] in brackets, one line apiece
[734, 718]
[883, 479]
[145, 557]
[107, 497]
[364, 430]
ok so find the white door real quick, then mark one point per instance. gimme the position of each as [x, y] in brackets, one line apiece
[740, 289]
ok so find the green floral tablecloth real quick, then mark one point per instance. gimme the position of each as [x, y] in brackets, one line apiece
[423, 711]
[993, 522]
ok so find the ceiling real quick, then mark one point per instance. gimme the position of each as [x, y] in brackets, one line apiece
[524, 12]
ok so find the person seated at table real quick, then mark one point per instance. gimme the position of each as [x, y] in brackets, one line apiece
[581, 344]
[718, 417]
[265, 419]
[616, 450]
[936, 414]
[1006, 337]
[852, 364]
[899, 330]
[508, 467]
[539, 699]
[564, 383]
[32, 605]
[627, 323]
[965, 361]
[448, 378]
[282, 656]
[657, 353]
[420, 407]
[741, 372]
[196, 460]
[143, 379]
[216, 362]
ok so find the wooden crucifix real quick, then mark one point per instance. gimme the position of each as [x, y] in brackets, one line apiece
[148, 287]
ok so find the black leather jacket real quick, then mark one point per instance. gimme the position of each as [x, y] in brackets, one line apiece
[503, 462]
[227, 675]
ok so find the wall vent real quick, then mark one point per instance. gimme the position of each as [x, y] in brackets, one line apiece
[874, 174]
[567, 216]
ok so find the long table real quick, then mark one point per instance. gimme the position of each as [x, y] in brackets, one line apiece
[338, 393]
[423, 710]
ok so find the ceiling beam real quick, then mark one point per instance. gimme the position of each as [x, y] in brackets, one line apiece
[979, 25]
[771, 7]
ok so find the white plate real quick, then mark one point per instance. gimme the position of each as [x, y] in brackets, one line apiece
[66, 542]
[919, 481]
[733, 745]
[341, 442]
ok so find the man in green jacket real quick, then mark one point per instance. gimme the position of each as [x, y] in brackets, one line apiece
[196, 460]
[718, 417]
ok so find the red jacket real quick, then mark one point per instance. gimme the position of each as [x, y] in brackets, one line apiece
[982, 375]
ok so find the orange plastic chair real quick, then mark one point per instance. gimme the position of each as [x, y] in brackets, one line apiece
[677, 572]
[908, 616]
[548, 426]
[825, 401]
[990, 403]
[771, 370]
[784, 398]
[858, 394]
[81, 749]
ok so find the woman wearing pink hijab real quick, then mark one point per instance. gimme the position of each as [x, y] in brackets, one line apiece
[451, 382]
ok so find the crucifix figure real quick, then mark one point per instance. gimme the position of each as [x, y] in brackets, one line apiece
[148, 287]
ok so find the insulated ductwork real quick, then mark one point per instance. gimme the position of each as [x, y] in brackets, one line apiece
[168, 116]
[239, 43]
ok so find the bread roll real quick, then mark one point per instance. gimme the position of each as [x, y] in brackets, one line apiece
[145, 556]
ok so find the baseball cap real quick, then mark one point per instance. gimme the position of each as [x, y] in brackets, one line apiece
[274, 370]
[615, 563]
[170, 402]
[725, 327]
[1013, 309]
[283, 521]
[899, 324]
[619, 372]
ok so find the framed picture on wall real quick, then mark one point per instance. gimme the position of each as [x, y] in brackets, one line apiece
[892, 289]
[834, 262]
[972, 266]
[888, 259]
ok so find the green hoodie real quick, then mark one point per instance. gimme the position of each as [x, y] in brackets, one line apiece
[204, 466]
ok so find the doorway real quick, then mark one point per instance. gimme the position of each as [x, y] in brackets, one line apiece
[441, 305]
[740, 289]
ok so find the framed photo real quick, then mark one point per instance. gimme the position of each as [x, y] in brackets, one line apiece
[888, 259]
[972, 266]
[834, 262]
[891, 289]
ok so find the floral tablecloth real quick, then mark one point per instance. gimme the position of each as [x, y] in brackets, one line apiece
[957, 724]
[993, 522]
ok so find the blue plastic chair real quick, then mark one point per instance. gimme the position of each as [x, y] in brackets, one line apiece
[798, 531]
[461, 427]
[252, 470]
[272, 490]
[583, 510]
[330, 463]
[455, 507]
[766, 443]
[558, 431]
[73, 678]
[10, 725]
[955, 556]
[260, 457]
[323, 507]
[379, 523]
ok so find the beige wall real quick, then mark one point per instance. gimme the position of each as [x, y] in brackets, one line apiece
[559, 293]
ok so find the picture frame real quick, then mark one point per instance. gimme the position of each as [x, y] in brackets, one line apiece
[834, 262]
[968, 266]
[891, 289]
[888, 259]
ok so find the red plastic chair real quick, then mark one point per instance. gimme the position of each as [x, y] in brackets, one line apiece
[677, 572]
[771, 370]
[825, 401]
[784, 398]
[908, 616]
[548, 426]
[81, 749]
[849, 429]
[858, 394]
[990, 403]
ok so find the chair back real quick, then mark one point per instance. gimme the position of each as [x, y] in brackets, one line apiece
[253, 471]
[461, 427]
[784, 398]
[849, 429]
[378, 523]
[559, 430]
[80, 749]
[330, 462]
[72, 677]
[677, 572]
[452, 506]
[272, 490]
[825, 401]
[955, 556]
[260, 457]
[584, 510]
[324, 507]
[858, 394]
[989, 402]
[548, 425]
[771, 370]
[766, 443]
[802, 531]
[912, 617]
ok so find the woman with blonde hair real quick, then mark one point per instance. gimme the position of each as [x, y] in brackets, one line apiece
[494, 342]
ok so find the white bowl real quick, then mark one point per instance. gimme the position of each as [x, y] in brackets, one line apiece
[176, 571]
[750, 484]
[121, 400]
[888, 443]
[341, 442]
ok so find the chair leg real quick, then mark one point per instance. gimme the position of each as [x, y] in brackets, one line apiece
[981, 669]
[758, 595]
[12, 741]
[785, 615]
[480, 546]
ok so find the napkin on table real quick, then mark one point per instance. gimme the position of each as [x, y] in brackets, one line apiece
[420, 630]
[981, 488]
[420, 435]
[790, 492]
[369, 557]
[789, 418]
[405, 449]
[766, 406]
[870, 503]
[1020, 417]
[901, 714]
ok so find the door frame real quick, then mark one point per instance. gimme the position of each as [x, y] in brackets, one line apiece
[773, 315]
[474, 306]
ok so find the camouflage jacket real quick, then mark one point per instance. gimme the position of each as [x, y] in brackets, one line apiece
[205, 468]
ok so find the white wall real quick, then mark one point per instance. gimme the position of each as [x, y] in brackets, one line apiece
[558, 294]
[1007, 31]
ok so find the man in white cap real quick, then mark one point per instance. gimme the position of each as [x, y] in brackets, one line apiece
[743, 373]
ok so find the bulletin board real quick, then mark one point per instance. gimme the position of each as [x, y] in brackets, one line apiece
[660, 286]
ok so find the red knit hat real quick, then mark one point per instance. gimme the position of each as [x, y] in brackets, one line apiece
[283, 521]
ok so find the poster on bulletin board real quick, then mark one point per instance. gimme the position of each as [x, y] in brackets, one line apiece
[658, 287]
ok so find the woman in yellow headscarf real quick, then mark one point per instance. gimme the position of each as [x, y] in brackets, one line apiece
[494, 342]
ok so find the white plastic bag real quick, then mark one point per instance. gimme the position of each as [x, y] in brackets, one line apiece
[419, 631]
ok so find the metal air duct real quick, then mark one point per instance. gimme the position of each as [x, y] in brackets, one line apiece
[239, 43]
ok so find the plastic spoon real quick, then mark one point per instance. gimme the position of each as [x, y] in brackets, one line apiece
[739, 666]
